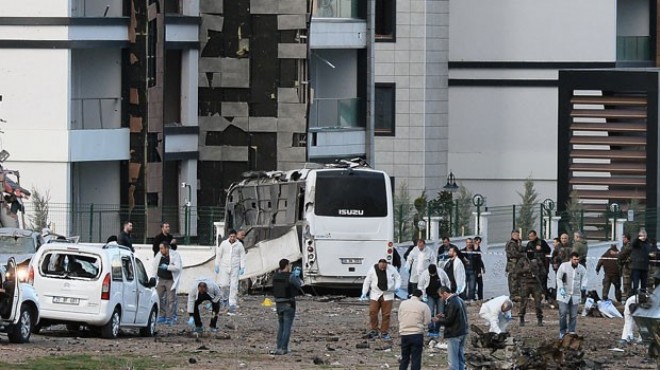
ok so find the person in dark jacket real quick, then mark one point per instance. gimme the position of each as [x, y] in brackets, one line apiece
[609, 262]
[286, 285]
[472, 262]
[455, 321]
[639, 262]
[480, 267]
[164, 236]
[624, 262]
[125, 235]
[541, 251]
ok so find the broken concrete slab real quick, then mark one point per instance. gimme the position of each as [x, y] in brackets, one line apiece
[291, 22]
[292, 6]
[287, 95]
[211, 6]
[292, 51]
[264, 7]
[234, 109]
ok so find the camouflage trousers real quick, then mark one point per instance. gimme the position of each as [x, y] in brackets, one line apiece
[514, 290]
[627, 281]
[533, 288]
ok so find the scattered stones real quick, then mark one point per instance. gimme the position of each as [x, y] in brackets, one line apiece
[319, 361]
[362, 345]
[192, 360]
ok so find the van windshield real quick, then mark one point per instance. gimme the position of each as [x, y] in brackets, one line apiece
[69, 265]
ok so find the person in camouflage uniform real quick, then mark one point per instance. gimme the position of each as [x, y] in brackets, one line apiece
[530, 270]
[624, 263]
[513, 250]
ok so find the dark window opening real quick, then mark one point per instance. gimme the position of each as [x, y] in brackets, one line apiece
[152, 42]
[350, 193]
[384, 110]
[172, 93]
[385, 20]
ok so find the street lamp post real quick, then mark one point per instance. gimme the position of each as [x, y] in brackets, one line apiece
[187, 212]
[478, 201]
[451, 187]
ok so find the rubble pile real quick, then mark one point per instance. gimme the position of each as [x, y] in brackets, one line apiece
[561, 354]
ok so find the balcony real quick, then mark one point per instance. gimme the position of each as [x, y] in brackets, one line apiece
[95, 113]
[633, 48]
[337, 9]
[335, 113]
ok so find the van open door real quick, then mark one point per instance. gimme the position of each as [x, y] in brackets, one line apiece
[12, 288]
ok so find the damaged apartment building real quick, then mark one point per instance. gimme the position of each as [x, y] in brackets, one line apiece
[148, 110]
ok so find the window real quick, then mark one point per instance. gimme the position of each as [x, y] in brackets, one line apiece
[127, 266]
[142, 276]
[384, 112]
[350, 193]
[70, 266]
[116, 269]
[385, 20]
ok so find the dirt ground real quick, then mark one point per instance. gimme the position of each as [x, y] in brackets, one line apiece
[328, 333]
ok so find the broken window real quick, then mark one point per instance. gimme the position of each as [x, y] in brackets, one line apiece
[384, 109]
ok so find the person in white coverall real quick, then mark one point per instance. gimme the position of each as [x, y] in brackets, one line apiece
[230, 264]
[497, 313]
[381, 282]
[417, 262]
[455, 270]
[629, 326]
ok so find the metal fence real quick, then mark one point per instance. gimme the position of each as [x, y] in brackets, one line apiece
[95, 222]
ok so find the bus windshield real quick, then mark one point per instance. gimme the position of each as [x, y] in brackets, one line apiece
[350, 193]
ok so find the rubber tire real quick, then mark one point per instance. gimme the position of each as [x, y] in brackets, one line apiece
[36, 329]
[111, 329]
[150, 329]
[20, 332]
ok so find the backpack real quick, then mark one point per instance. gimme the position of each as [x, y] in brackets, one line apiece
[281, 285]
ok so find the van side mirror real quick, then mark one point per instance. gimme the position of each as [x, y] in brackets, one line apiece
[152, 282]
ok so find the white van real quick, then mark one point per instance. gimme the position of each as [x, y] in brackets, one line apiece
[103, 287]
[19, 305]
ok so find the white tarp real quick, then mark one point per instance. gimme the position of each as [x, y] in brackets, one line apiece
[608, 309]
[265, 256]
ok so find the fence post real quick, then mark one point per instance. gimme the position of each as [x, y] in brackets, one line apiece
[91, 220]
[513, 221]
[582, 220]
[211, 225]
[456, 220]
[541, 219]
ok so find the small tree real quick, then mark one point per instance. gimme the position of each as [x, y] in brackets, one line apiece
[573, 214]
[526, 218]
[464, 199]
[39, 218]
[420, 212]
[403, 213]
[632, 227]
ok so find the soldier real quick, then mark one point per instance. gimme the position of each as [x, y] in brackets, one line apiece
[612, 276]
[541, 250]
[512, 256]
[530, 270]
[624, 262]
[580, 246]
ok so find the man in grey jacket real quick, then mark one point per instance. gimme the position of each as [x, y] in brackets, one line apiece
[203, 289]
[571, 280]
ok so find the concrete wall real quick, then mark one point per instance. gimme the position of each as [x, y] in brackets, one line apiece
[501, 133]
[35, 8]
[417, 64]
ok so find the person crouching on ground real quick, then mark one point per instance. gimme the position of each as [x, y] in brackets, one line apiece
[382, 281]
[286, 285]
[497, 313]
[203, 289]
[414, 317]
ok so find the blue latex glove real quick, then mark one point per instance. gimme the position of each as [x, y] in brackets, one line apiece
[241, 271]
[562, 292]
[217, 269]
[163, 266]
[191, 321]
[296, 271]
[425, 299]
[208, 305]
[363, 297]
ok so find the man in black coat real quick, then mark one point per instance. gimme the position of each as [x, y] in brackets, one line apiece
[639, 262]
[125, 235]
[164, 236]
[455, 321]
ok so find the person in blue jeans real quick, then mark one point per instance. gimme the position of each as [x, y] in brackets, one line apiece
[470, 262]
[571, 280]
[455, 321]
[414, 316]
[286, 285]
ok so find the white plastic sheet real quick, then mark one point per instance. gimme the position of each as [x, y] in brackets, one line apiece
[608, 309]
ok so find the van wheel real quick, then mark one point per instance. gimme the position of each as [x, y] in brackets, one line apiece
[20, 332]
[36, 329]
[150, 329]
[111, 329]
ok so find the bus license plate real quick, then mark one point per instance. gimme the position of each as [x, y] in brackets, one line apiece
[351, 261]
[66, 300]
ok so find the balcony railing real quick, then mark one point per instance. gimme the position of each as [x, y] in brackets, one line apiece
[95, 113]
[336, 9]
[633, 48]
[334, 112]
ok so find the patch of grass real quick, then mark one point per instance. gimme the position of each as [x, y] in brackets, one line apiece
[80, 362]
